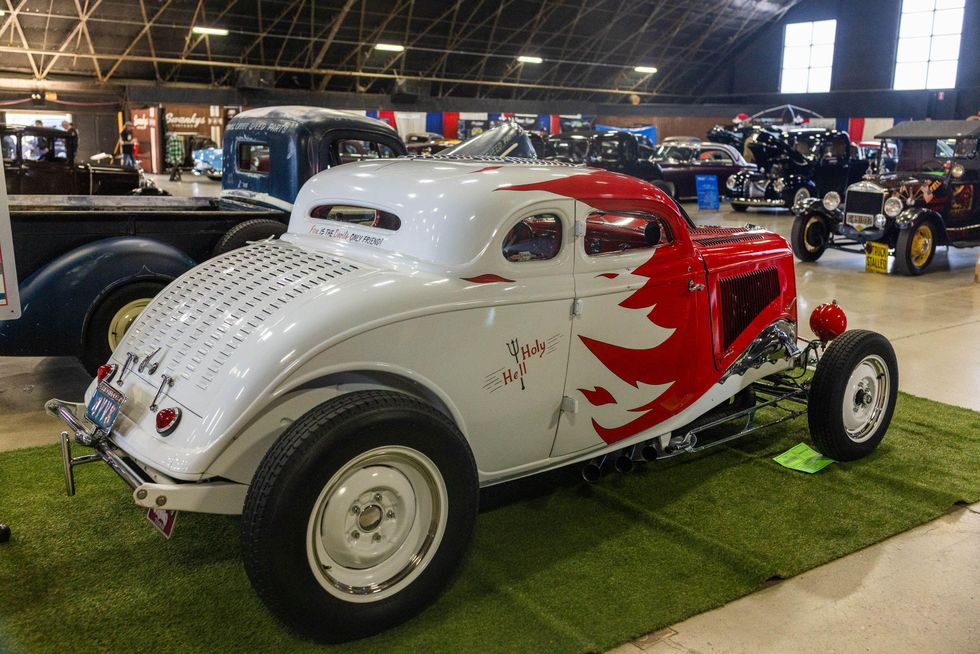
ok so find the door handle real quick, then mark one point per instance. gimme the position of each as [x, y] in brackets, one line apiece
[691, 286]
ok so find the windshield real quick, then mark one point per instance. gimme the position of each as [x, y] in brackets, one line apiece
[924, 155]
[675, 152]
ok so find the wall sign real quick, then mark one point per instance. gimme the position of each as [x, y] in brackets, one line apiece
[9, 295]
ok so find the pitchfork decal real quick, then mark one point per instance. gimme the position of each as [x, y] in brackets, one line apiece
[515, 349]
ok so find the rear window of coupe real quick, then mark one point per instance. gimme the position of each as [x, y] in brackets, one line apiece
[360, 216]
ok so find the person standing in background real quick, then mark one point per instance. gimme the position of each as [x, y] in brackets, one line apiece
[71, 139]
[128, 143]
[175, 155]
[38, 123]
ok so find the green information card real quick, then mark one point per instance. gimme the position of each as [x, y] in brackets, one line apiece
[804, 458]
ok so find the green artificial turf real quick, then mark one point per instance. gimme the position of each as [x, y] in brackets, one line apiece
[555, 566]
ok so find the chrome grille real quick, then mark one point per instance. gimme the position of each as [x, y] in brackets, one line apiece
[743, 297]
[203, 317]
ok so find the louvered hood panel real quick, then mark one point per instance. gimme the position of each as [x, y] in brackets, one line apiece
[212, 316]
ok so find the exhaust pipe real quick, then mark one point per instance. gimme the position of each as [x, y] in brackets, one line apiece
[592, 470]
[649, 452]
[624, 463]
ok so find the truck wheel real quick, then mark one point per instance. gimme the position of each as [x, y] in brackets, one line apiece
[257, 229]
[112, 319]
[666, 187]
[359, 514]
[852, 396]
[809, 237]
[739, 207]
[915, 248]
[801, 194]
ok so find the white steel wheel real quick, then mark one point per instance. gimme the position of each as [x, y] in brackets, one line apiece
[377, 523]
[802, 193]
[865, 398]
[852, 395]
[359, 515]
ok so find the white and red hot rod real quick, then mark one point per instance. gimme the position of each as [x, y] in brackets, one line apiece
[430, 326]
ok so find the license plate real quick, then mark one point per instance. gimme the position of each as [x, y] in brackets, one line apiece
[103, 408]
[876, 257]
[163, 519]
[860, 221]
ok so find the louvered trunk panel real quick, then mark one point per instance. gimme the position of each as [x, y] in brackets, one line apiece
[202, 319]
[743, 297]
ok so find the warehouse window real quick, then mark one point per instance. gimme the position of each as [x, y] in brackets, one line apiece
[808, 57]
[928, 44]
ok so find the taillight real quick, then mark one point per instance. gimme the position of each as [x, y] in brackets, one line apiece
[167, 420]
[106, 372]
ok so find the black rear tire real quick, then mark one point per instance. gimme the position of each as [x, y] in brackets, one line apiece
[283, 530]
[852, 395]
[739, 207]
[257, 229]
[96, 340]
[809, 237]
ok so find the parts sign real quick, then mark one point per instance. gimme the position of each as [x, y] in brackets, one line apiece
[9, 297]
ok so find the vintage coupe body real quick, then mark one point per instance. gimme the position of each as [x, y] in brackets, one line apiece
[680, 163]
[928, 198]
[429, 326]
[793, 166]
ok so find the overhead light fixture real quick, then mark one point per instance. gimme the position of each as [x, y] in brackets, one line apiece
[524, 59]
[645, 69]
[210, 31]
[390, 47]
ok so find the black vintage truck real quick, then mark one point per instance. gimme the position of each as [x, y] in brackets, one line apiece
[38, 160]
[87, 265]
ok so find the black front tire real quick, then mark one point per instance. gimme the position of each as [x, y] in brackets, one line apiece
[289, 506]
[852, 395]
[739, 207]
[104, 320]
[810, 236]
[915, 248]
[257, 229]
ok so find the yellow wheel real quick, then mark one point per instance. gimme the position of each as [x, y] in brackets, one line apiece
[120, 323]
[922, 245]
[915, 248]
[109, 322]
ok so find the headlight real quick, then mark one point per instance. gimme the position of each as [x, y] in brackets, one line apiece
[778, 185]
[958, 170]
[731, 183]
[831, 201]
[893, 207]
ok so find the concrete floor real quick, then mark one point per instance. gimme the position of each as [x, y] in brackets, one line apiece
[919, 591]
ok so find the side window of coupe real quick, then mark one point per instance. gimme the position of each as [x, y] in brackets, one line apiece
[9, 146]
[352, 150]
[253, 158]
[609, 233]
[536, 238]
[715, 155]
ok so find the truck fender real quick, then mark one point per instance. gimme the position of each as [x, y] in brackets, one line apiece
[59, 298]
[912, 216]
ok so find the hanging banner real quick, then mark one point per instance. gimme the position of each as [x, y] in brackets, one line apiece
[9, 296]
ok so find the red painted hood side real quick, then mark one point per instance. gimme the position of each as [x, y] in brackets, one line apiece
[731, 251]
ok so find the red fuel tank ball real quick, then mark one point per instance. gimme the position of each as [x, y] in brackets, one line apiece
[828, 321]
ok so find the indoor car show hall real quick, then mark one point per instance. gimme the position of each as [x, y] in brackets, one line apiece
[459, 327]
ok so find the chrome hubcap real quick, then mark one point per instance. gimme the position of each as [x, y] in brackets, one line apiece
[865, 398]
[377, 524]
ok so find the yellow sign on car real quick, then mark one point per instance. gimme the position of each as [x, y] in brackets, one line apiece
[876, 259]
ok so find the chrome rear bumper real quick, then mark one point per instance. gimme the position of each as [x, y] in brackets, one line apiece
[155, 491]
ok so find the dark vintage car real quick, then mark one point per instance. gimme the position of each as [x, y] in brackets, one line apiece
[617, 151]
[36, 161]
[428, 143]
[793, 166]
[679, 163]
[930, 199]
